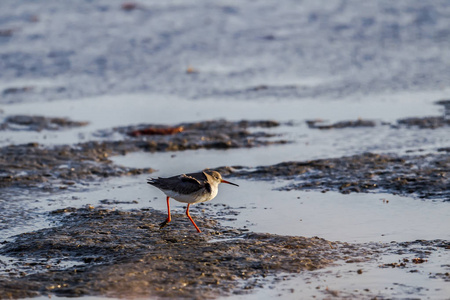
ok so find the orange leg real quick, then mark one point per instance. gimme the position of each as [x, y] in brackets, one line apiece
[189, 216]
[168, 216]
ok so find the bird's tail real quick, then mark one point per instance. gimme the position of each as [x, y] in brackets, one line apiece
[152, 181]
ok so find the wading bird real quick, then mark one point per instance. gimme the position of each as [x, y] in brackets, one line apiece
[189, 188]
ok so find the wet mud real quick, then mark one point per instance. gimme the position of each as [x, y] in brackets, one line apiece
[59, 167]
[430, 122]
[101, 252]
[320, 124]
[423, 176]
[217, 134]
[426, 122]
[62, 166]
[446, 104]
[51, 52]
[117, 253]
[38, 123]
[15, 90]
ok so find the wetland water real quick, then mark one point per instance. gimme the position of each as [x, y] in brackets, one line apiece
[341, 151]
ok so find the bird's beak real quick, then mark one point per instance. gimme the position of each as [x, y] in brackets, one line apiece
[224, 181]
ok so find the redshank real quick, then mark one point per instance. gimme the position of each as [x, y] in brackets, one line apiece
[189, 188]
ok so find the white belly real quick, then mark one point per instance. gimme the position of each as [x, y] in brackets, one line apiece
[197, 197]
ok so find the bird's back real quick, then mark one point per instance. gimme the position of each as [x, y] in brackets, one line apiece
[182, 184]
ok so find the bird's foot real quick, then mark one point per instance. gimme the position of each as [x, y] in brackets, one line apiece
[164, 224]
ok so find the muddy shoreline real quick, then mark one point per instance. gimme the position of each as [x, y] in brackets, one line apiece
[35, 166]
[60, 167]
[124, 254]
[422, 176]
[322, 111]
[116, 253]
[100, 252]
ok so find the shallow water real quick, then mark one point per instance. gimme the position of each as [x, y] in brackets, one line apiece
[344, 281]
[357, 218]
[113, 111]
[256, 206]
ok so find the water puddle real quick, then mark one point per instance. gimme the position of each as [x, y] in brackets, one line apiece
[113, 111]
[255, 205]
[364, 280]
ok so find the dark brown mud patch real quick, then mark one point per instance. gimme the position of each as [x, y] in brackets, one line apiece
[218, 134]
[38, 123]
[33, 165]
[432, 122]
[321, 124]
[124, 254]
[446, 104]
[424, 176]
[427, 122]
[16, 90]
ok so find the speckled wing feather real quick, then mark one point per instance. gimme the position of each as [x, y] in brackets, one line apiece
[200, 177]
[183, 184]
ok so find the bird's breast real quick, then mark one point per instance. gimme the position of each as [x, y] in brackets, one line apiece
[196, 197]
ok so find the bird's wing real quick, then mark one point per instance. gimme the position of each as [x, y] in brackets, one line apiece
[202, 177]
[189, 179]
[199, 176]
[183, 184]
[188, 184]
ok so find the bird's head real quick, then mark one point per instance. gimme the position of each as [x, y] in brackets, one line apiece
[218, 178]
